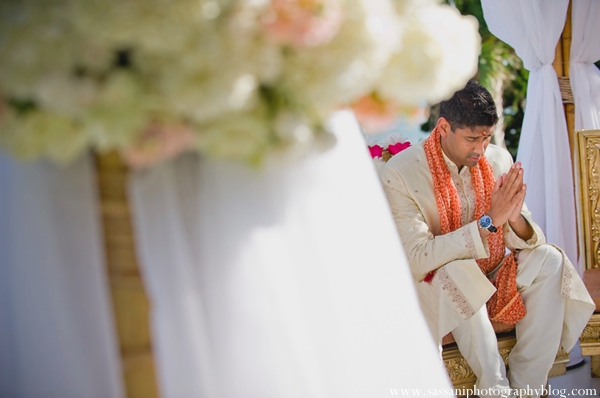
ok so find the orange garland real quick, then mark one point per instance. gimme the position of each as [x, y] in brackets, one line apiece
[506, 305]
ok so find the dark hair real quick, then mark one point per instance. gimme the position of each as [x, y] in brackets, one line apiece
[470, 107]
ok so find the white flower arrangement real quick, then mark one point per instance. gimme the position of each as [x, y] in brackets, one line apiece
[236, 79]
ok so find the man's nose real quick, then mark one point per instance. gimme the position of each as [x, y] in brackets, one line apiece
[480, 148]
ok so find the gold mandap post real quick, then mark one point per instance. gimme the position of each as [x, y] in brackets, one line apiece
[131, 306]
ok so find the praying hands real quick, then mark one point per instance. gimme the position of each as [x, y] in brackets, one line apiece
[507, 201]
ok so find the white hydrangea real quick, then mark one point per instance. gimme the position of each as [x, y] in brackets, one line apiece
[345, 68]
[42, 133]
[241, 136]
[460, 44]
[150, 25]
[438, 55]
[119, 113]
[33, 43]
[66, 94]
[208, 87]
[100, 74]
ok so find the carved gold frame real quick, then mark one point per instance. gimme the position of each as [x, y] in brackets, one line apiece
[587, 174]
[462, 376]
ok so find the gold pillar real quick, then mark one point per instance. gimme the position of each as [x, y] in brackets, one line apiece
[569, 105]
[561, 66]
[130, 303]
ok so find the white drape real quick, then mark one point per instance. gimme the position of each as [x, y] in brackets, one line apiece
[532, 28]
[57, 337]
[584, 75]
[287, 281]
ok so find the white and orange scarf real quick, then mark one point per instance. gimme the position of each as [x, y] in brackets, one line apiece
[506, 305]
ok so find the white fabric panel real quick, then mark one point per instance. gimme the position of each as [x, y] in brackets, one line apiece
[57, 337]
[585, 76]
[532, 28]
[284, 281]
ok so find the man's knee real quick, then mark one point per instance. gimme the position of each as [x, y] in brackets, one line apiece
[550, 252]
[550, 257]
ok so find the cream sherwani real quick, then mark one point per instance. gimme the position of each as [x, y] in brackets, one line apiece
[455, 299]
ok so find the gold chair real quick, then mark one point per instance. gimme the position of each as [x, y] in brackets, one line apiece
[587, 174]
[463, 377]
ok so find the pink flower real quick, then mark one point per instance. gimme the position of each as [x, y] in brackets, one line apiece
[157, 143]
[303, 23]
[376, 151]
[398, 147]
[374, 113]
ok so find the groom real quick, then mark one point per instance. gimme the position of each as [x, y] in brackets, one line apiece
[458, 203]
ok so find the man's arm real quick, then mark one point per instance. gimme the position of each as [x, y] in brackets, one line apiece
[425, 251]
[514, 241]
[508, 198]
[521, 228]
[520, 231]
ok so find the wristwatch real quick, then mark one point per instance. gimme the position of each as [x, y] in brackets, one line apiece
[485, 222]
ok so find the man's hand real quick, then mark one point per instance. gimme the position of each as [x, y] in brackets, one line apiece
[516, 214]
[517, 222]
[508, 196]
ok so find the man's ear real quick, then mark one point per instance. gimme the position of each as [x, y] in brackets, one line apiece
[444, 126]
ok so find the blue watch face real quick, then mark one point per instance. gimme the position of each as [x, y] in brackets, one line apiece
[485, 221]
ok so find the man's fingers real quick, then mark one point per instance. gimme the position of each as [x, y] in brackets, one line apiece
[498, 183]
[519, 180]
[519, 196]
[511, 175]
[506, 188]
[518, 200]
[514, 180]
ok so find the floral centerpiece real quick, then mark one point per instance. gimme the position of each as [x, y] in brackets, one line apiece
[384, 146]
[236, 79]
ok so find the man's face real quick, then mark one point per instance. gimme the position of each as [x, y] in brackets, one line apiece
[464, 146]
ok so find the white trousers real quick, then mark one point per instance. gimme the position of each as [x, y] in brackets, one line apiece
[539, 277]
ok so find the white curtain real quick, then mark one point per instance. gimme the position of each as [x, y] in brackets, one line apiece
[57, 337]
[584, 75]
[286, 281]
[532, 28]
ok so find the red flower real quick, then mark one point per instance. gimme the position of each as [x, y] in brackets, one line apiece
[376, 151]
[398, 147]
[429, 277]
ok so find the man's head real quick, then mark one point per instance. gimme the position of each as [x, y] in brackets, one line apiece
[466, 124]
